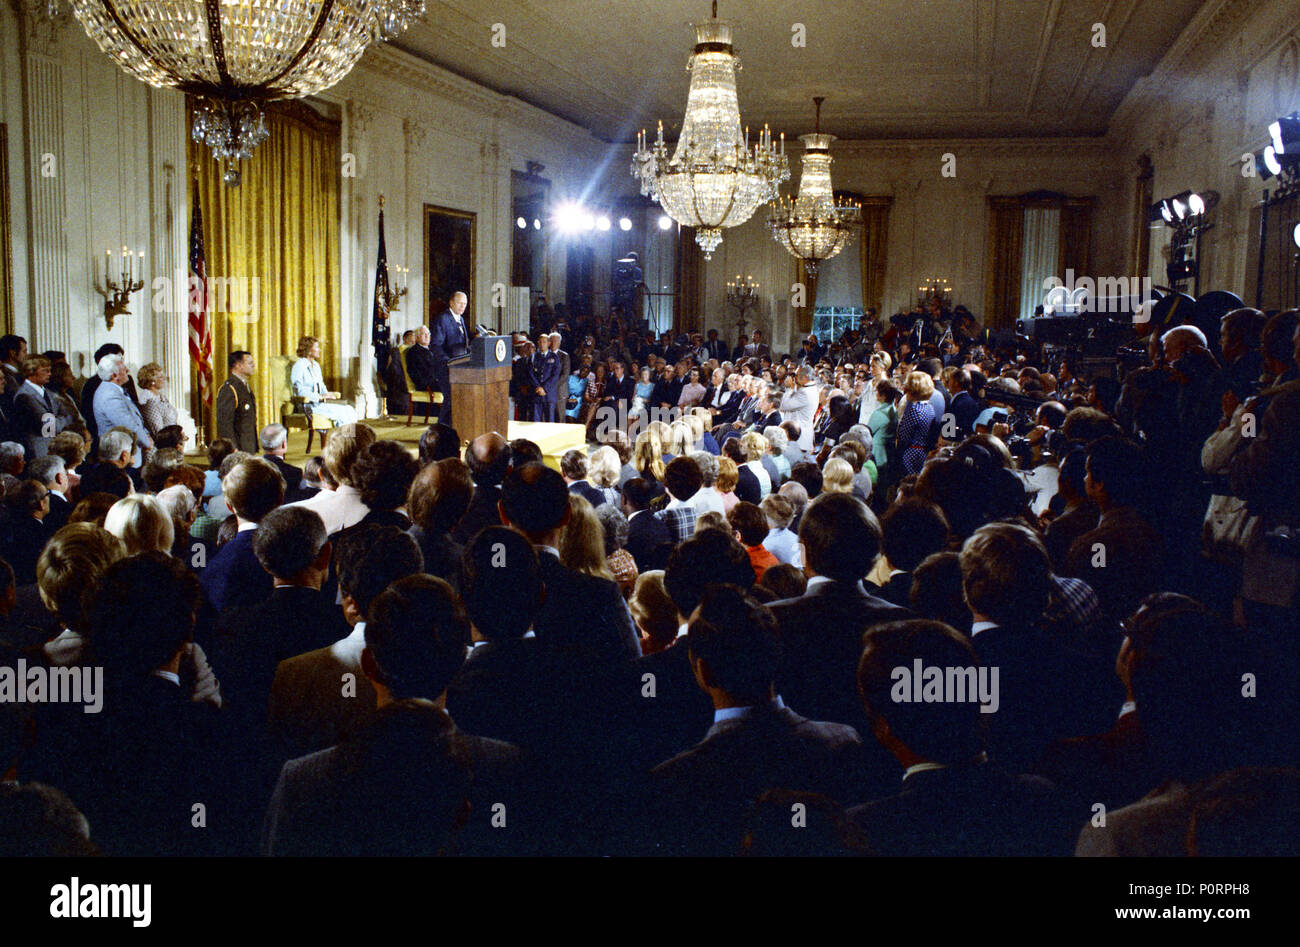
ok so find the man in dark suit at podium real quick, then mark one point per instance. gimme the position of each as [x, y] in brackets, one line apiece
[449, 340]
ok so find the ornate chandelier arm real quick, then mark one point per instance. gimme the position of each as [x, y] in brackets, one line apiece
[321, 17]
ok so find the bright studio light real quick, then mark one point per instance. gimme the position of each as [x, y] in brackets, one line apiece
[1180, 209]
[1271, 162]
[602, 222]
[1295, 235]
[624, 224]
[1196, 204]
[1166, 213]
[521, 223]
[568, 218]
[537, 224]
[665, 221]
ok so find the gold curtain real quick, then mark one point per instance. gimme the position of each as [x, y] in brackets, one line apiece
[872, 249]
[690, 278]
[274, 240]
[1005, 250]
[7, 316]
[1076, 236]
[803, 318]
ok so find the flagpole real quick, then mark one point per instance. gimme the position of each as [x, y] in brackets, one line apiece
[196, 368]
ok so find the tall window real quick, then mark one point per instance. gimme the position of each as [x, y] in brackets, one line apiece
[1041, 257]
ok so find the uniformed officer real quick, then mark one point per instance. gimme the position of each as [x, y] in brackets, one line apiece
[236, 406]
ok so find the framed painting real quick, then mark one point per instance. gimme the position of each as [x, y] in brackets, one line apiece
[449, 241]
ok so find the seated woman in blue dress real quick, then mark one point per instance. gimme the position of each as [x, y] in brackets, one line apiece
[309, 384]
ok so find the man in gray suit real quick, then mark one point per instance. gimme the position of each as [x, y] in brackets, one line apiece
[113, 407]
[566, 366]
[35, 416]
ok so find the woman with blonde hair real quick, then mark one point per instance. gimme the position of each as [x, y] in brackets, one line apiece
[837, 476]
[648, 454]
[309, 384]
[915, 421]
[142, 523]
[725, 484]
[653, 611]
[582, 540]
[603, 471]
[755, 447]
[681, 439]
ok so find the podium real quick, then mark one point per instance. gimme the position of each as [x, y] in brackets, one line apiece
[480, 384]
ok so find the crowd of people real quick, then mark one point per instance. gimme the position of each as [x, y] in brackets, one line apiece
[895, 593]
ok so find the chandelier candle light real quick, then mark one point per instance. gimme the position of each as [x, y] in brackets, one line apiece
[813, 227]
[236, 55]
[714, 178]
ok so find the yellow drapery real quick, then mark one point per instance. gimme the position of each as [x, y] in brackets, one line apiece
[1006, 245]
[803, 317]
[872, 249]
[272, 249]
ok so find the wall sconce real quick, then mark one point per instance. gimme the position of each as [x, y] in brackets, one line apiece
[117, 293]
[400, 286]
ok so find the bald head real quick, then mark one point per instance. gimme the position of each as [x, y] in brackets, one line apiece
[488, 459]
[1181, 338]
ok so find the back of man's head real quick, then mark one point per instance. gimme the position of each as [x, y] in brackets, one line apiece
[809, 476]
[143, 614]
[735, 639]
[535, 500]
[707, 557]
[1006, 574]
[370, 558]
[911, 530]
[523, 451]
[488, 458]
[383, 473]
[840, 537]
[502, 583]
[637, 494]
[288, 540]
[439, 442]
[253, 489]
[1117, 464]
[946, 731]
[683, 478]
[416, 634]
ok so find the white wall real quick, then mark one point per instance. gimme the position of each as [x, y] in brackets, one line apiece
[1209, 101]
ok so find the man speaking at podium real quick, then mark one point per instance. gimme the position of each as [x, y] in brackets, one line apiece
[449, 340]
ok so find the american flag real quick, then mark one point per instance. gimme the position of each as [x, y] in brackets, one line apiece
[379, 336]
[200, 332]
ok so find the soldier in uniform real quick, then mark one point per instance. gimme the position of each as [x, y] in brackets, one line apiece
[236, 406]
[546, 366]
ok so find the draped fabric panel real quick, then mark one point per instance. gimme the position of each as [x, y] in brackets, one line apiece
[273, 249]
[690, 280]
[1076, 236]
[803, 317]
[1041, 257]
[872, 249]
[1005, 256]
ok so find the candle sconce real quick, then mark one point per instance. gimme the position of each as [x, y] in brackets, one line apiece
[395, 295]
[117, 292]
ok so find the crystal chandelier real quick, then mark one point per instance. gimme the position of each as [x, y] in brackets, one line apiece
[236, 55]
[813, 227]
[714, 179]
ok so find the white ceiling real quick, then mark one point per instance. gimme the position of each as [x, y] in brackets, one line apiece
[888, 68]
